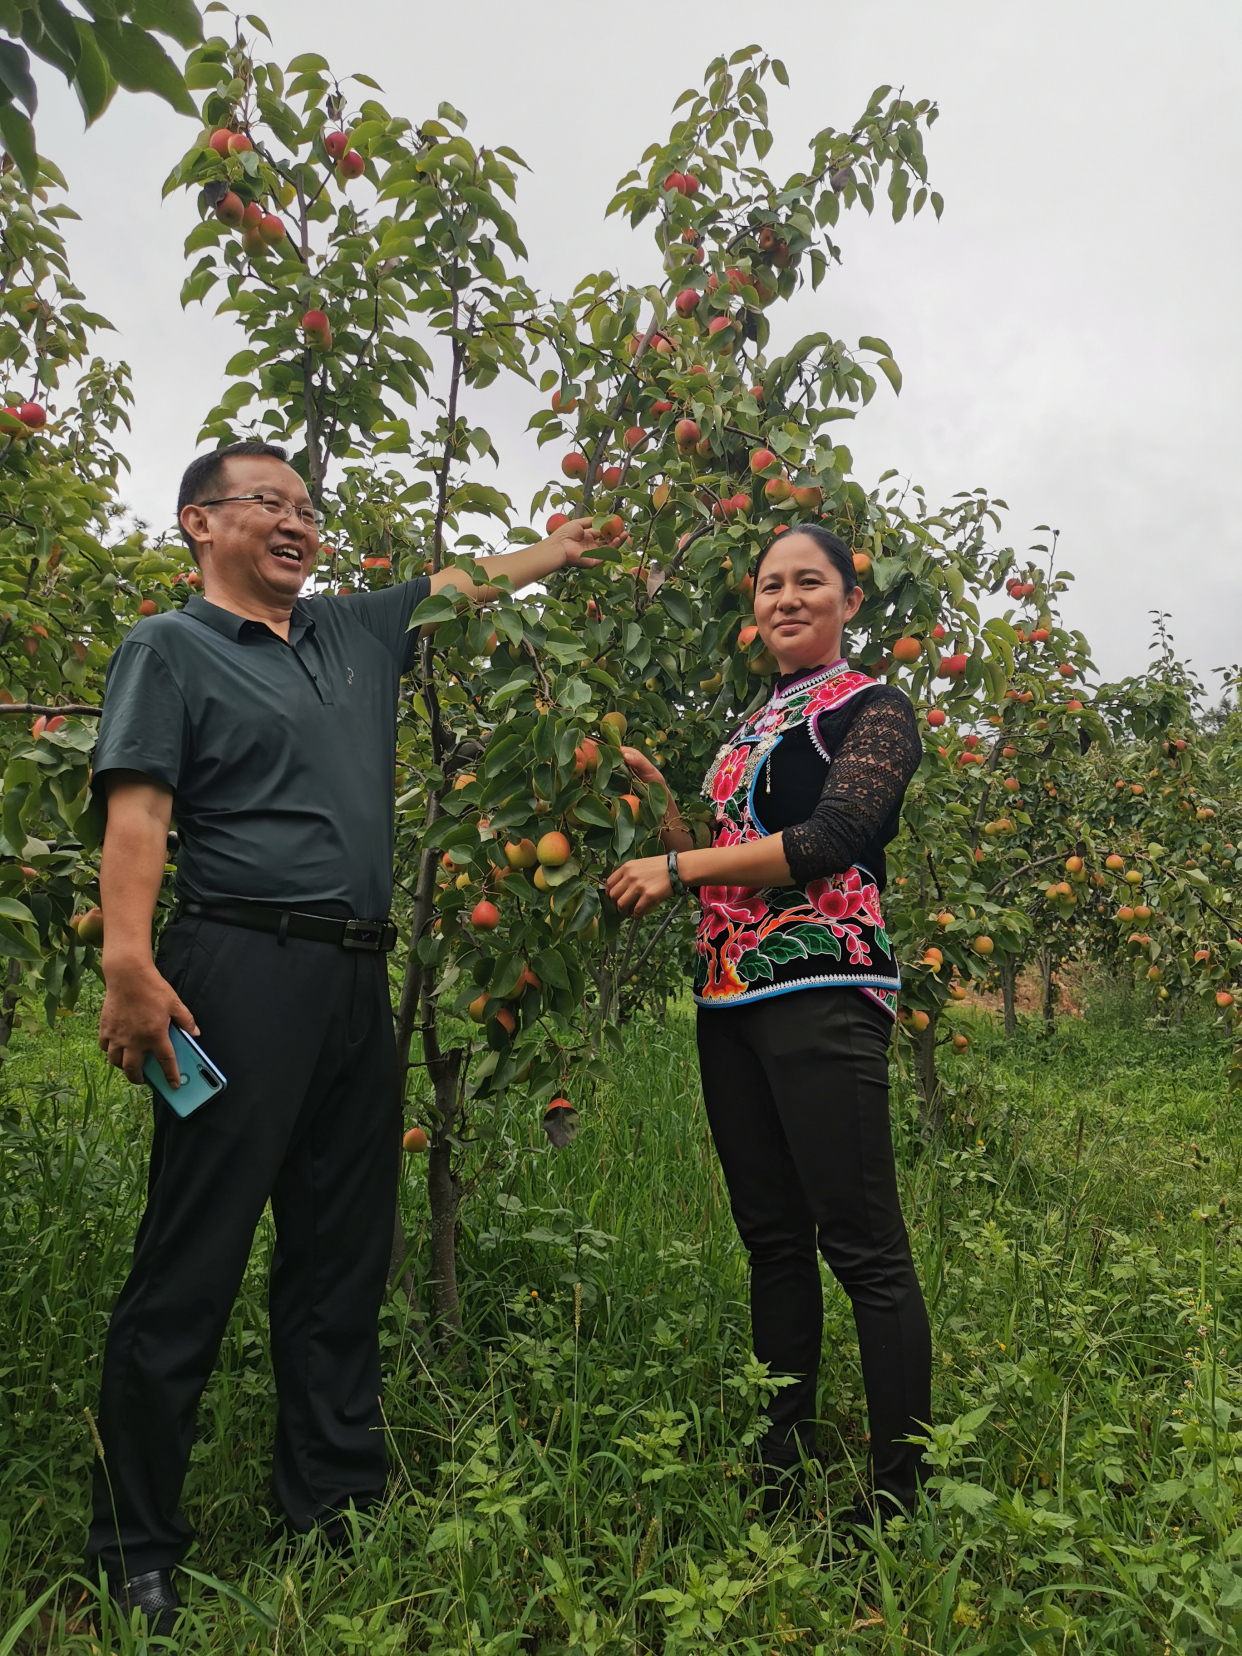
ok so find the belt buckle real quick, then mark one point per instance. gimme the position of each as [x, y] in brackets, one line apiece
[363, 934]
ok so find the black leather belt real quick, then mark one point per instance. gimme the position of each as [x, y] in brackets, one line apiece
[375, 936]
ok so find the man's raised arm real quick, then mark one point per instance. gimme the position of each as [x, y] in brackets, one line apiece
[138, 1004]
[529, 563]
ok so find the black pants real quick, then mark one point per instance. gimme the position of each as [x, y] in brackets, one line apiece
[796, 1089]
[310, 1120]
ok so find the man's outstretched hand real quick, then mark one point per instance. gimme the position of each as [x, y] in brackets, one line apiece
[577, 537]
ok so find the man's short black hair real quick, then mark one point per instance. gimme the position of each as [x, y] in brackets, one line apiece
[204, 476]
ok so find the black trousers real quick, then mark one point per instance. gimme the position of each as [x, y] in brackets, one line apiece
[311, 1120]
[796, 1088]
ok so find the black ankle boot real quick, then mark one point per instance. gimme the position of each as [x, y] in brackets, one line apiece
[154, 1594]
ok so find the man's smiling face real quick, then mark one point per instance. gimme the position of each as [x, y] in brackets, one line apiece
[266, 557]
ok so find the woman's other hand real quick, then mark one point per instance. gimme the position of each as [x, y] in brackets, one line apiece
[638, 887]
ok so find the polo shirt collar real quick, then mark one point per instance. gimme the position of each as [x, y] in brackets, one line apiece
[233, 626]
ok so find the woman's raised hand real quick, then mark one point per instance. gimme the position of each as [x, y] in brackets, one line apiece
[641, 766]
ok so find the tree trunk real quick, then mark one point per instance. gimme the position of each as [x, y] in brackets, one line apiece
[1049, 986]
[444, 1192]
[1009, 983]
[926, 1076]
[9, 1000]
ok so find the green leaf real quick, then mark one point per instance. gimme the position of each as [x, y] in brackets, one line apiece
[869, 342]
[780, 71]
[92, 83]
[433, 611]
[19, 140]
[307, 64]
[11, 909]
[590, 808]
[15, 75]
[140, 64]
[558, 876]
[891, 372]
[551, 969]
[13, 943]
[177, 18]
[677, 604]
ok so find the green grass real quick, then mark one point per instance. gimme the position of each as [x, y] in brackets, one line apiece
[582, 1485]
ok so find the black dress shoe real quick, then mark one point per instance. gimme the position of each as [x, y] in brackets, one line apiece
[154, 1594]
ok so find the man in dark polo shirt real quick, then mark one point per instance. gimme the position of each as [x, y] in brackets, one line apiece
[264, 723]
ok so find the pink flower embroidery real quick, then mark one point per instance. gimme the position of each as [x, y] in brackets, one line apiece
[838, 897]
[725, 907]
[729, 774]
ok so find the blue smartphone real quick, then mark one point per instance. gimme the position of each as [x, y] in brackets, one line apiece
[200, 1079]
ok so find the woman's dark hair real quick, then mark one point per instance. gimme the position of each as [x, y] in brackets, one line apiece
[832, 546]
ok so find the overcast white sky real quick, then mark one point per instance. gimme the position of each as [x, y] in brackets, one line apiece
[1069, 333]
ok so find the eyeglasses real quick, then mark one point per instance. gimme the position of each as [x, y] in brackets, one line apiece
[275, 506]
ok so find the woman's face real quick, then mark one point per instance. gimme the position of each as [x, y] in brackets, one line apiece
[801, 605]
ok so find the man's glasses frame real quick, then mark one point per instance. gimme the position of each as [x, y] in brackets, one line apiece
[310, 516]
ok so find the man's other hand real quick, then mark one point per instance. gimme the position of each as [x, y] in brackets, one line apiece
[138, 1007]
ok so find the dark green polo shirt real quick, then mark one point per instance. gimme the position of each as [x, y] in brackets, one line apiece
[280, 757]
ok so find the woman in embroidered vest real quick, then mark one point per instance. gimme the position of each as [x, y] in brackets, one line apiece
[796, 987]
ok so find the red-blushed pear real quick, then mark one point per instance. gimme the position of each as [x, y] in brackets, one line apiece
[272, 229]
[687, 301]
[762, 460]
[1065, 670]
[553, 850]
[686, 434]
[907, 649]
[971, 740]
[634, 436]
[586, 758]
[1074, 705]
[148, 606]
[983, 945]
[336, 143]
[617, 722]
[477, 1007]
[777, 489]
[230, 208]
[574, 465]
[862, 565]
[316, 330]
[521, 855]
[610, 477]
[1223, 999]
[937, 632]
[352, 164]
[612, 528]
[239, 143]
[747, 636]
[563, 405]
[676, 181]
[485, 916]
[1012, 785]
[556, 521]
[661, 407]
[742, 503]
[808, 497]
[90, 926]
[960, 1043]
[632, 800]
[219, 141]
[1040, 635]
[919, 1021]
[415, 1141]
[33, 415]
[1114, 862]
[953, 666]
[506, 1020]
[718, 324]
[690, 184]
[377, 563]
[253, 244]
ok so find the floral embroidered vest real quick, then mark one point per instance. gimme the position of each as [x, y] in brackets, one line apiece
[828, 933]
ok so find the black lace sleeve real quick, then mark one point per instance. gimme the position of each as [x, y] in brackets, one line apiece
[863, 791]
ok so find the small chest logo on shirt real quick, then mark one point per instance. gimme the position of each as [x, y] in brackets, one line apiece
[349, 675]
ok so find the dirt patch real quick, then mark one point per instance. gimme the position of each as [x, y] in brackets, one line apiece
[1069, 989]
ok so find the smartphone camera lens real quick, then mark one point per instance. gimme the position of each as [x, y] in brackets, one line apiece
[207, 1076]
